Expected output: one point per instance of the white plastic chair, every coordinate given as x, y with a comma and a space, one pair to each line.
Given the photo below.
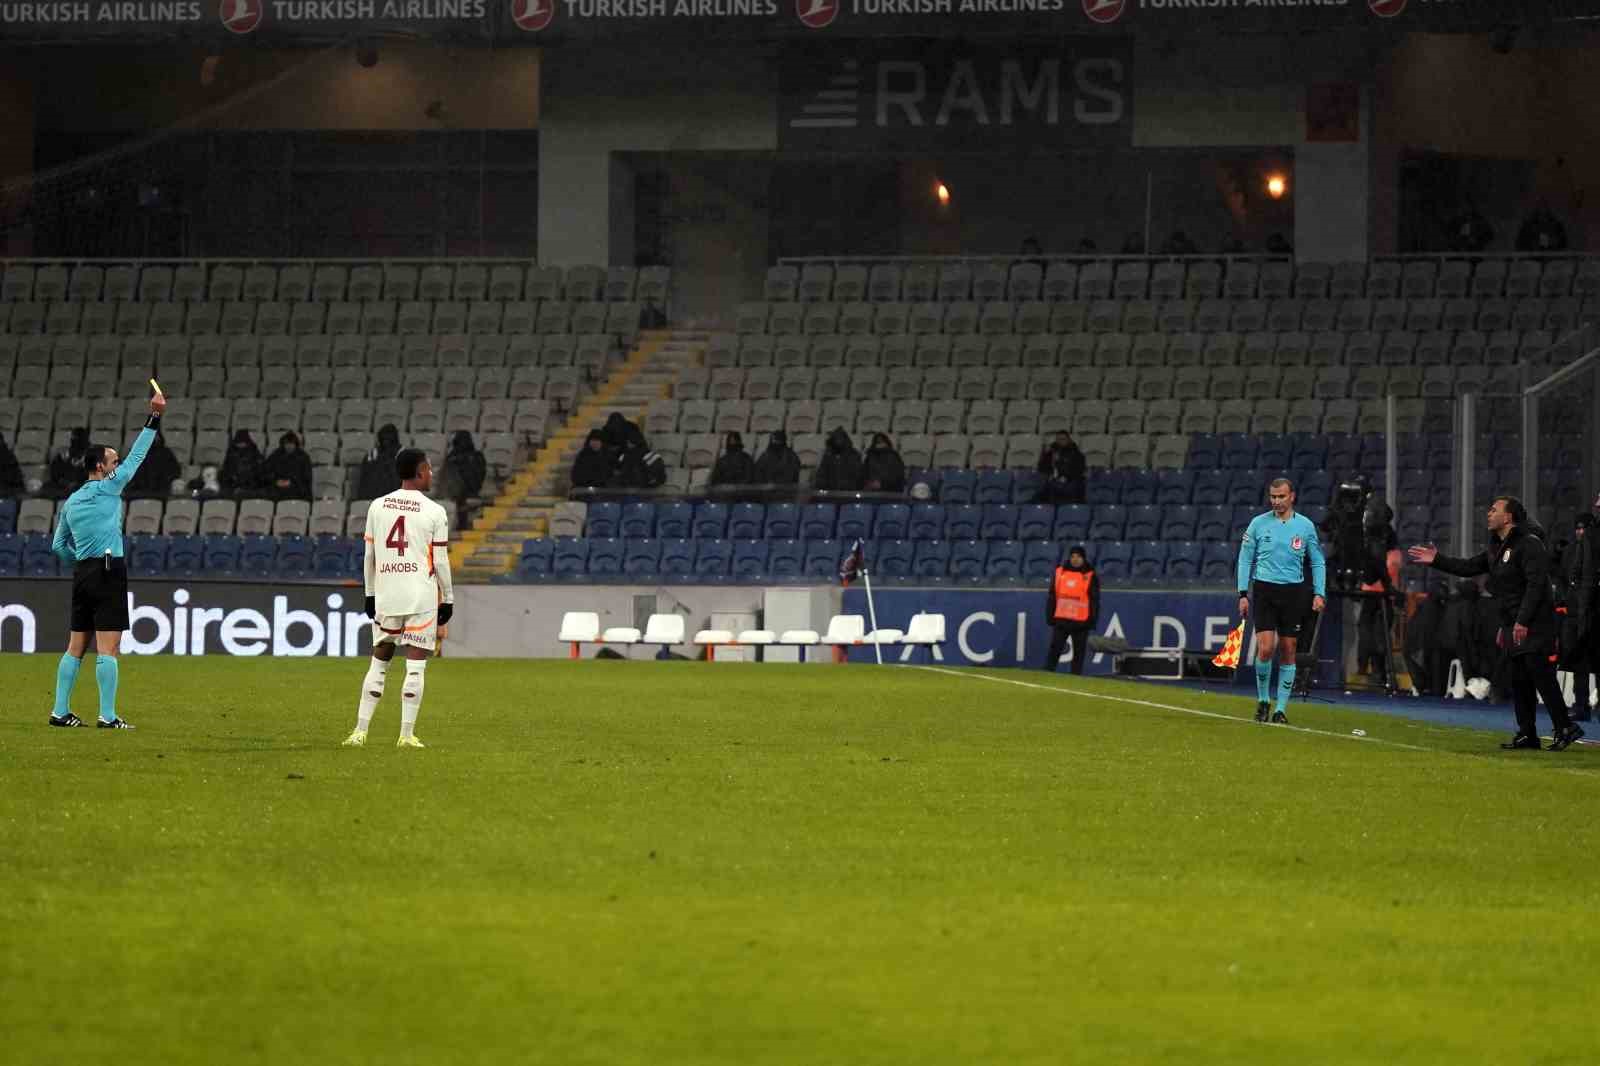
620, 635
925, 630
844, 629
579, 627
757, 636
884, 636
663, 629
800, 638
710, 638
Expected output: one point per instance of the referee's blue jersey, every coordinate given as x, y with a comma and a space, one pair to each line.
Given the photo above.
90, 524
1275, 550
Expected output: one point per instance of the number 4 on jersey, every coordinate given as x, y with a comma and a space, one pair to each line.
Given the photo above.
397, 536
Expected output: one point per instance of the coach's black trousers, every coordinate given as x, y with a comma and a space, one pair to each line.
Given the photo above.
1533, 676
1061, 632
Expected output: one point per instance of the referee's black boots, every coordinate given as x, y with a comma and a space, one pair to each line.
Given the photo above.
1521, 741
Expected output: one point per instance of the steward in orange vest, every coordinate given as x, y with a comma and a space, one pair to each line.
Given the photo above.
1073, 608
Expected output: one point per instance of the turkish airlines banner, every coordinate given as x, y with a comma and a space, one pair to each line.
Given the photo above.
549, 21
908, 96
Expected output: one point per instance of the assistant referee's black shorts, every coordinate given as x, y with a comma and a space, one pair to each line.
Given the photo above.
1281, 608
100, 596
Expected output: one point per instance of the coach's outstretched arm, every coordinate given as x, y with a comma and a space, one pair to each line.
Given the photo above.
123, 474
1428, 555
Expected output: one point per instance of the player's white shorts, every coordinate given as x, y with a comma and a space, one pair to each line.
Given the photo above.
407, 630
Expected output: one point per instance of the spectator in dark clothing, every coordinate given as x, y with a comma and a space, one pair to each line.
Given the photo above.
1278, 244
241, 467
156, 474
378, 476
286, 475
1072, 607
11, 481
840, 468
734, 467
619, 433
778, 465
1470, 232
882, 469
1179, 244
1088, 245
1064, 470
639, 468
1542, 232
465, 469
66, 466
1033, 253
592, 468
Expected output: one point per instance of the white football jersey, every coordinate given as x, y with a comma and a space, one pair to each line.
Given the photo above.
404, 530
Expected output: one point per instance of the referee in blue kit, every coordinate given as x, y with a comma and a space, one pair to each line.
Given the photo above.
1275, 550
89, 536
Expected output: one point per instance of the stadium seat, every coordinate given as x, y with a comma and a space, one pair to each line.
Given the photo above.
1005, 560
932, 559
1108, 522
822, 558
1179, 523
892, 558
786, 557
745, 521
957, 487
677, 557
750, 559
713, 558
963, 522
1072, 523
605, 556
569, 557
1143, 523
641, 557
999, 522
1139, 488
855, 520
926, 521
817, 521
1035, 522
603, 519
637, 520
1113, 560
992, 486
257, 555
968, 558
1217, 562
891, 522
147, 555
710, 521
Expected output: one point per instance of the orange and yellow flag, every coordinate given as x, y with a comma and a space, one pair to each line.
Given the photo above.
1229, 655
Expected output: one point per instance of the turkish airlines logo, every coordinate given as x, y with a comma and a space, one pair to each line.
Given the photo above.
532, 16
240, 16
815, 14
1103, 11
1386, 9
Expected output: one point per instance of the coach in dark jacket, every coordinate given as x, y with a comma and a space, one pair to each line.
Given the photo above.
1518, 565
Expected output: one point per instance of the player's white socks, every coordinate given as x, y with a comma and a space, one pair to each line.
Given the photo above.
371, 692
411, 695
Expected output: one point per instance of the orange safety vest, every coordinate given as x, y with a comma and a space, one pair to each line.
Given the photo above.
1072, 594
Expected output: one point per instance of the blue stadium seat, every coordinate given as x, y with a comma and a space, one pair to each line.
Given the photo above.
638, 521
147, 556
674, 520
605, 556
1108, 522
1205, 451
1212, 523
999, 522
293, 557
1374, 450
1273, 452
10, 555
855, 520
994, 486
710, 521
677, 557
1310, 451
570, 557
750, 559
785, 558
1238, 451
536, 558
958, 486
817, 521
1139, 488
746, 521
1113, 559
186, 555
1105, 487
1175, 487
927, 476
783, 521
967, 558
1005, 560
1039, 560
221, 553
603, 519
1344, 454
1179, 523
932, 558
641, 556
1183, 560
712, 558
1072, 524
1315, 489
892, 522
257, 555
1412, 523
8, 515
1248, 486
1034, 521
1149, 561
927, 521
892, 558
1144, 523
1025, 485
1217, 562
963, 522
1211, 487
37, 558
1243, 515
822, 558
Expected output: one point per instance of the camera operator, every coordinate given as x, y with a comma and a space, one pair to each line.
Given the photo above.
1380, 575
1343, 531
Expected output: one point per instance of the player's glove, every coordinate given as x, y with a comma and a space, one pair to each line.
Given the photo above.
371, 606
445, 611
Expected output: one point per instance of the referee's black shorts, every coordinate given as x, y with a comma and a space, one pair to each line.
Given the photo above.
100, 596
1281, 608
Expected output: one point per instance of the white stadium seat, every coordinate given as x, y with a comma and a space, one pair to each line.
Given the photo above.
663, 629
579, 627
845, 629
620, 635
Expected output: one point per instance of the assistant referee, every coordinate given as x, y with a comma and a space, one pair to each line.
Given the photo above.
89, 536
1276, 547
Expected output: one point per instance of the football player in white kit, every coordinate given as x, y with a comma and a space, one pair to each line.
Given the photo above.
408, 590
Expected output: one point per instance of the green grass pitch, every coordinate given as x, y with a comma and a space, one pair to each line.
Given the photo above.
614, 862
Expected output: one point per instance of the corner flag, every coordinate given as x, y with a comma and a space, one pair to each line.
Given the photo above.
1229, 655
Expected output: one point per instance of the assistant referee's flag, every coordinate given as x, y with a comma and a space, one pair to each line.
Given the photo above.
1229, 655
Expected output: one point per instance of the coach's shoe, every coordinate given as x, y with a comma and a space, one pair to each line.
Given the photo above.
1263, 711
67, 721
115, 723
356, 739
1565, 738
1279, 718
1522, 741
409, 742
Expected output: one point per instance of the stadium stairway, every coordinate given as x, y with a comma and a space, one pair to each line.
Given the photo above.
523, 508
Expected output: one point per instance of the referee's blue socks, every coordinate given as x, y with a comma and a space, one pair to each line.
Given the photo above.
105, 672
66, 677
1285, 684
1264, 680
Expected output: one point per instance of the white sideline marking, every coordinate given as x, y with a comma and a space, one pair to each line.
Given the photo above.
1180, 710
